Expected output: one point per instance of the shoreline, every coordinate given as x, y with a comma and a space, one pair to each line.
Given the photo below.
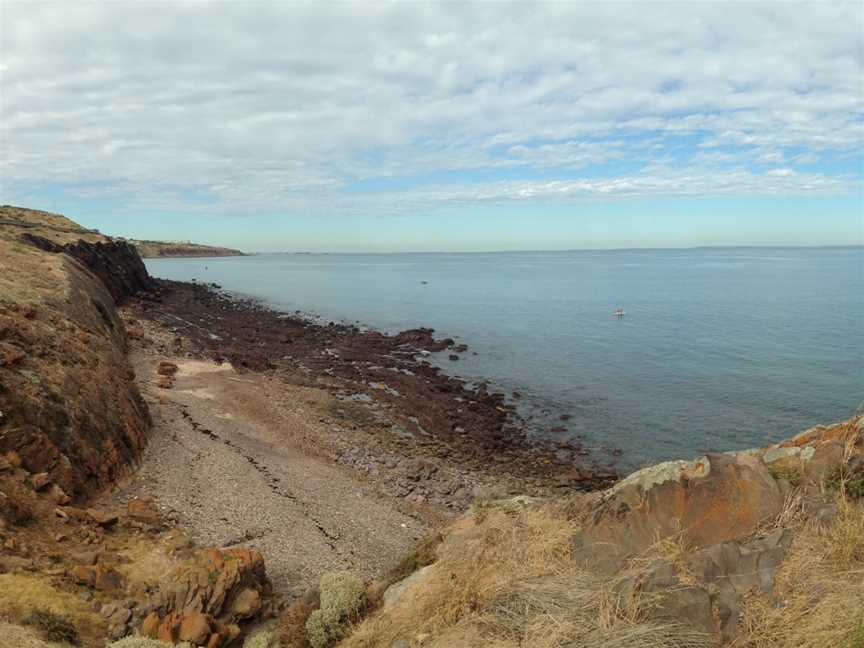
404, 404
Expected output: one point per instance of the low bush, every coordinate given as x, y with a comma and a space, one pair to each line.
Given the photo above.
262, 639
52, 627
143, 642
343, 597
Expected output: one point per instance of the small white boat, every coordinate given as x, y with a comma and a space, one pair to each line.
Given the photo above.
619, 312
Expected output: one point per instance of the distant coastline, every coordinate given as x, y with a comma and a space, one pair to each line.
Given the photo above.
177, 249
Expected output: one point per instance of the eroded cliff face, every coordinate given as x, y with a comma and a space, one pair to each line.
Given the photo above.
68, 403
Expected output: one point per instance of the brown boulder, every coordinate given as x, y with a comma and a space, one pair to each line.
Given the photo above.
58, 495
143, 509
166, 368
166, 382
40, 480
102, 518
707, 501
98, 577
135, 331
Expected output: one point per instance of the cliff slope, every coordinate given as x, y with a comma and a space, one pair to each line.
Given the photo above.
72, 424
69, 404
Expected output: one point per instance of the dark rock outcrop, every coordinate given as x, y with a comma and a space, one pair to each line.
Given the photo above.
116, 263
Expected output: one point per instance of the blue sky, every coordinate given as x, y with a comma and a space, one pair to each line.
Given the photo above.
405, 126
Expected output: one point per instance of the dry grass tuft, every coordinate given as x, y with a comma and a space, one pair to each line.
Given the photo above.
16, 636
506, 579
292, 625
675, 549
21, 596
819, 596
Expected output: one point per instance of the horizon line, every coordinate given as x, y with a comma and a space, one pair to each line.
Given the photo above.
623, 249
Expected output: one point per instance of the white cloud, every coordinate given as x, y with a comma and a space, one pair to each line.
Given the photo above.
281, 105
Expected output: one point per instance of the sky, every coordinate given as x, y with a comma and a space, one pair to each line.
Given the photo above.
371, 126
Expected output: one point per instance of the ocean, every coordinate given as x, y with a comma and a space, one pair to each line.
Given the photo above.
719, 349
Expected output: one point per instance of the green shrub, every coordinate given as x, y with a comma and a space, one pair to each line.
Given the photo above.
261, 639
793, 474
144, 642
852, 483
343, 597
858, 637
52, 627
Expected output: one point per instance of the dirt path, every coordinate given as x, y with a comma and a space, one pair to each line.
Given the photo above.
233, 466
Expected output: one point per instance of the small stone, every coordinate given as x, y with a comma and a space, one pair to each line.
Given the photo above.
102, 518
40, 480
99, 577
85, 557
58, 495
120, 617
166, 368
117, 632
144, 510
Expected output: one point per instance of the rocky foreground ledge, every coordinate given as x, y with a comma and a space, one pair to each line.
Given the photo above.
757, 548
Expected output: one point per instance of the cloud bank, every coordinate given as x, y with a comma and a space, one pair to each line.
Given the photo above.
334, 108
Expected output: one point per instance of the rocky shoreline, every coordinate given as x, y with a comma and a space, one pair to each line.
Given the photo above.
418, 421
160, 441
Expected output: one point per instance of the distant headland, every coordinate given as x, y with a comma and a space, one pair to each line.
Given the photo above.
155, 249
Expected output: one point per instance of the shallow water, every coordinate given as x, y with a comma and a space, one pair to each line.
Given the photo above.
719, 349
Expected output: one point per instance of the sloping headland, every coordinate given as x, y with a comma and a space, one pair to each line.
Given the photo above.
156, 249
177, 465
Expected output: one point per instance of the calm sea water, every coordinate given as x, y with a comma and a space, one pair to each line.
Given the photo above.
720, 348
